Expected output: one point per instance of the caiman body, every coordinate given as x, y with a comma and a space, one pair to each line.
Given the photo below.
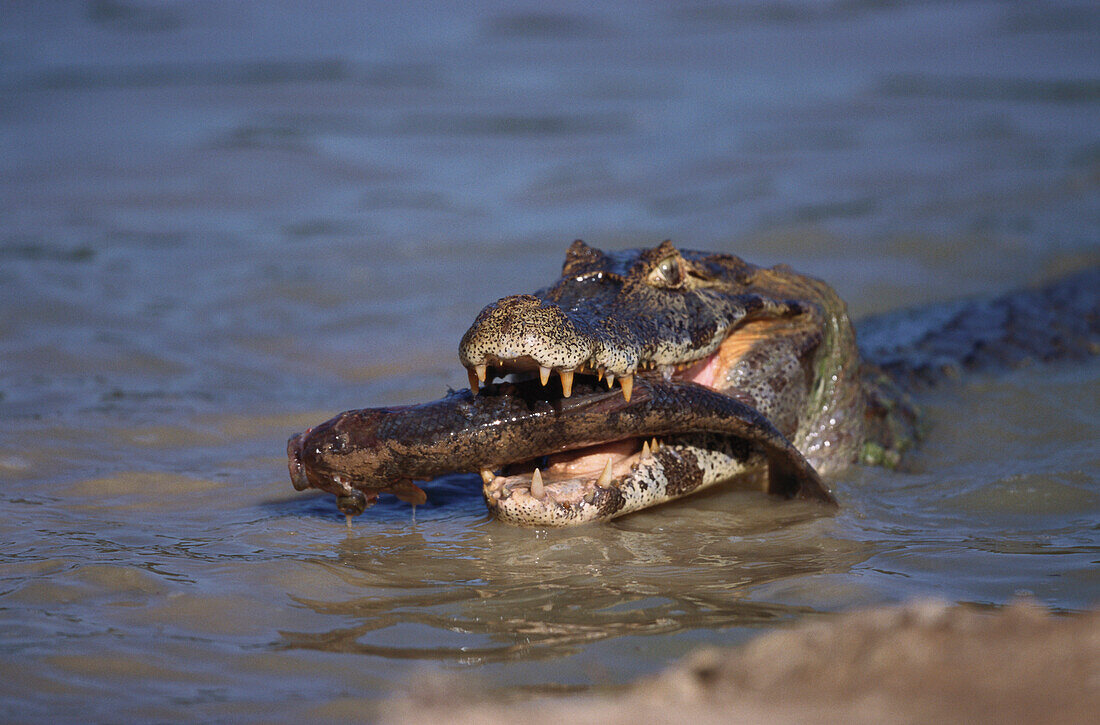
739, 370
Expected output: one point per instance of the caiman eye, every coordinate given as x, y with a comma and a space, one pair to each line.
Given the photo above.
668, 272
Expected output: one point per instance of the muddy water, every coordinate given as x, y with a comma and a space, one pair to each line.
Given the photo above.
221, 223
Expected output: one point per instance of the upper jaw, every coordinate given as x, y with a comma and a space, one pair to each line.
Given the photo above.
516, 335
612, 329
528, 332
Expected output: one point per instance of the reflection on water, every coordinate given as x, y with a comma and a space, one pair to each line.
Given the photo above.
507, 594
221, 223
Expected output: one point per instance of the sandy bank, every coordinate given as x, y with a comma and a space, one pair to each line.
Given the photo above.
926, 662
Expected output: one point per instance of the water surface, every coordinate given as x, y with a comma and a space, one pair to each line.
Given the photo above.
221, 223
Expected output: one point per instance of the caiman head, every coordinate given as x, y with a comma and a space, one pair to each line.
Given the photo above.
779, 341
734, 371
615, 314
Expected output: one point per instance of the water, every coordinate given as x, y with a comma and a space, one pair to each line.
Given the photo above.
222, 222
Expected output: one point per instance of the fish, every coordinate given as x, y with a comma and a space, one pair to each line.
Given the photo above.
512, 426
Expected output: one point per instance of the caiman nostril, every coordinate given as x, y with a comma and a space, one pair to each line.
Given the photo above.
294, 463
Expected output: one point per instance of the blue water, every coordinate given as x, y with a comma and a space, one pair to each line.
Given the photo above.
223, 222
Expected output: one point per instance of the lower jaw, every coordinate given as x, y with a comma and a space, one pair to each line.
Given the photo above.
644, 484
571, 477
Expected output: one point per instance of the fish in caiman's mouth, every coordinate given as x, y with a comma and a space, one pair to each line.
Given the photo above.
712, 320
639, 377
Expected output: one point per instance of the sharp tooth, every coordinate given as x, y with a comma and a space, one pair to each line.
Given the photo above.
473, 380
627, 383
605, 477
537, 489
645, 449
610, 380
656, 445
599, 373
480, 370
544, 374
566, 382
487, 476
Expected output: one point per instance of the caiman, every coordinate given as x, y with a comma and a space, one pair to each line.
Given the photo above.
714, 370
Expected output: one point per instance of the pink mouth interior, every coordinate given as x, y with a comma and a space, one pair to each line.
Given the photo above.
569, 475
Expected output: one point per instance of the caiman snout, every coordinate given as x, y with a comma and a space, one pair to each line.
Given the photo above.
294, 462
525, 328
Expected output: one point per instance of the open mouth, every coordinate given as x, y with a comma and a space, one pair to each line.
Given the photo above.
585, 475
548, 459
638, 377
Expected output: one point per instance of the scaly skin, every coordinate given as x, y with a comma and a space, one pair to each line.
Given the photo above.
778, 342
667, 322
361, 453
790, 350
